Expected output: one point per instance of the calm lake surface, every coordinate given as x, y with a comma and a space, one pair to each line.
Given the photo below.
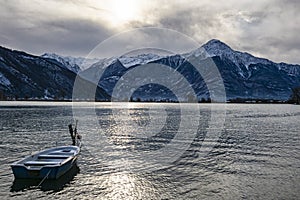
157, 151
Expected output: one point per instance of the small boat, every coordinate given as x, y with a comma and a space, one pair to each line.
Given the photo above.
51, 163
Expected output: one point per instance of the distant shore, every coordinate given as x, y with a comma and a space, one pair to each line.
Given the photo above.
233, 101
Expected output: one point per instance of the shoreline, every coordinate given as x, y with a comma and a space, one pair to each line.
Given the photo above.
171, 102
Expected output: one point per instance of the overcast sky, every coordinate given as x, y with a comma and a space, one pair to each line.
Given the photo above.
265, 28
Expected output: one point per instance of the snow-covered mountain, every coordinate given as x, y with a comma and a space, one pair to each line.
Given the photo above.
244, 76
217, 48
25, 76
74, 64
247, 76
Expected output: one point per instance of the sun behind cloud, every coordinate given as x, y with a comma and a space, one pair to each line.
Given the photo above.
122, 12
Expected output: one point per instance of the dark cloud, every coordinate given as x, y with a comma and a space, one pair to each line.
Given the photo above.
69, 37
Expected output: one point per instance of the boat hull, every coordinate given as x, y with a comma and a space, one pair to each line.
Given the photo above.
53, 172
48, 164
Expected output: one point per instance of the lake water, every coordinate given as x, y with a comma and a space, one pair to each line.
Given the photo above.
157, 151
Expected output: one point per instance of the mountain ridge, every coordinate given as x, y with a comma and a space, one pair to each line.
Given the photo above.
244, 75
25, 76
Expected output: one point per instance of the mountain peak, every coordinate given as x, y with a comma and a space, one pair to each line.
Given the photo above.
216, 47
212, 48
216, 42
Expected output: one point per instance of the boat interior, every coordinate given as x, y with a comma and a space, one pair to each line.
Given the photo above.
56, 157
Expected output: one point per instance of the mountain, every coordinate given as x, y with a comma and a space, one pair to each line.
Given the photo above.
249, 77
25, 76
244, 75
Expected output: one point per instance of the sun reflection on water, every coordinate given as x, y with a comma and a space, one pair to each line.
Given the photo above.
125, 185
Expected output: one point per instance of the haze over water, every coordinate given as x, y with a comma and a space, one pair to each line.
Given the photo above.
257, 155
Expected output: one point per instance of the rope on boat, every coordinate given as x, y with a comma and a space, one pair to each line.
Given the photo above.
44, 178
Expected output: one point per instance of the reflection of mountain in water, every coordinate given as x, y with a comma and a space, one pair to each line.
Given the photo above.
48, 184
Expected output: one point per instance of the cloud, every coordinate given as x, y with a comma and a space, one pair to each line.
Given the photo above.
264, 28
70, 37
275, 33
35, 31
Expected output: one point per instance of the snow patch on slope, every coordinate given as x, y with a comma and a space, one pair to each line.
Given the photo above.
28, 57
4, 81
141, 59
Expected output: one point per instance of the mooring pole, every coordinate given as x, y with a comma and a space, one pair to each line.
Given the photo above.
72, 134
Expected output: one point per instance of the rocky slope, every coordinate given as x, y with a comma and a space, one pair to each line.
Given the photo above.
25, 76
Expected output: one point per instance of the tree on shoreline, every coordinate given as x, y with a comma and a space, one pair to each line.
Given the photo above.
295, 98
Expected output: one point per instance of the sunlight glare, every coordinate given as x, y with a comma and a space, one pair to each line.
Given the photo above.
124, 11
